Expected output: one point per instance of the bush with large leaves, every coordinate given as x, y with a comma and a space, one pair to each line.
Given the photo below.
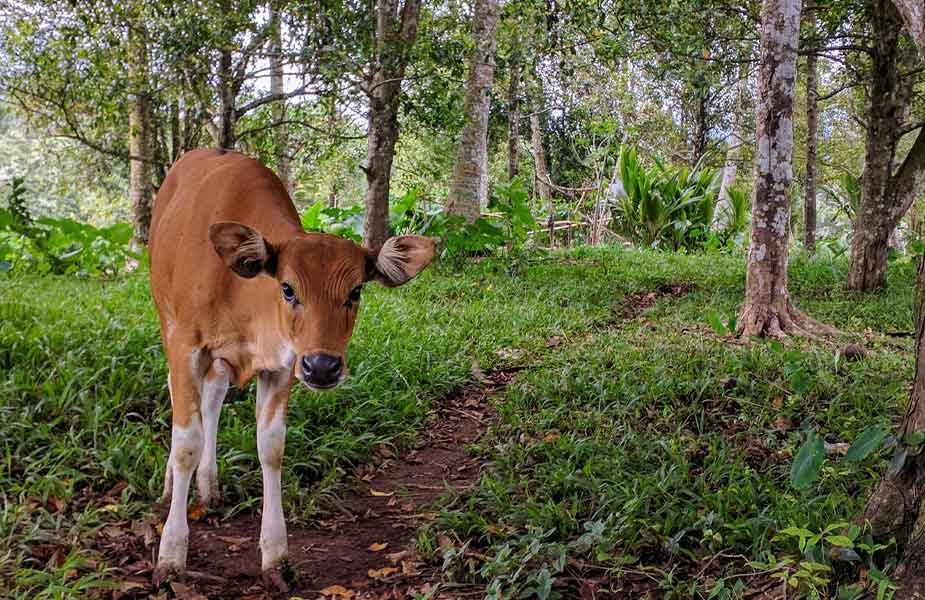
673, 207
60, 246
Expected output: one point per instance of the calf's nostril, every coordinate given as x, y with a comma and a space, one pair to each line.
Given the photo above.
322, 369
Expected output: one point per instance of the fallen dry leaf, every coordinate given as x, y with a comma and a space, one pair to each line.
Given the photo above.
235, 541
378, 547
381, 573
408, 568
554, 341
113, 531
185, 592
337, 591
196, 512
551, 436
783, 423
373, 492
128, 585
510, 353
397, 556
777, 402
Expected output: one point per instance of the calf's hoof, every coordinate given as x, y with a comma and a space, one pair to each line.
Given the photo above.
276, 579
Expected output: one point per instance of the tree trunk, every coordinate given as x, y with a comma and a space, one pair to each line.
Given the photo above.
885, 197
768, 309
176, 143
812, 126
896, 507
541, 171
513, 121
226, 140
700, 127
394, 38
470, 173
140, 189
281, 131
913, 14
736, 139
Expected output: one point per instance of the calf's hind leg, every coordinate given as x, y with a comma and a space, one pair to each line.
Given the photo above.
214, 388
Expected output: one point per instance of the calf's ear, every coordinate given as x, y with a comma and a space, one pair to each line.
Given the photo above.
400, 259
243, 249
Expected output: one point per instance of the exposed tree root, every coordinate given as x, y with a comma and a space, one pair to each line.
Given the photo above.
779, 321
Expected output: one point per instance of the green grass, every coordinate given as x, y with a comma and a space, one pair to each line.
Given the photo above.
648, 446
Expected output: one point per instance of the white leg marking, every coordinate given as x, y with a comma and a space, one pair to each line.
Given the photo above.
168, 472
271, 441
185, 451
213, 395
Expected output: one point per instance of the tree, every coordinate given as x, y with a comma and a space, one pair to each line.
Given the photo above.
281, 131
886, 193
768, 309
812, 126
513, 119
395, 33
541, 171
736, 137
141, 191
469, 174
896, 507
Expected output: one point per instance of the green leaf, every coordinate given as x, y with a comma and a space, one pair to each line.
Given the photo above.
716, 323
866, 442
800, 381
808, 462
311, 220
839, 540
543, 584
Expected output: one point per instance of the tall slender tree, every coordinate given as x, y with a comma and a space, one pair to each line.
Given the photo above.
277, 88
141, 191
812, 126
513, 119
395, 33
768, 309
541, 181
469, 174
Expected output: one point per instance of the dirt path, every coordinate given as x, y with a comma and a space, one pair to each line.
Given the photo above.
364, 551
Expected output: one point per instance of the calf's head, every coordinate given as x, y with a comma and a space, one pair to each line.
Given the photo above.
319, 278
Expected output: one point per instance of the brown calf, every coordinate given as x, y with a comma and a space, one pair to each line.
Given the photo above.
242, 291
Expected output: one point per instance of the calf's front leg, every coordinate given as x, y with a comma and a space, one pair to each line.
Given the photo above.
272, 402
186, 441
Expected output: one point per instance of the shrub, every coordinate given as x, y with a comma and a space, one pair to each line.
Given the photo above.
673, 207
60, 246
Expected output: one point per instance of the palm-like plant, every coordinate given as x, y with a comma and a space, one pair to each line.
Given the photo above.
666, 207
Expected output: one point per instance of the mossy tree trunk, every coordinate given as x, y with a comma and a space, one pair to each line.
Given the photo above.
470, 172
396, 31
768, 309
141, 191
896, 507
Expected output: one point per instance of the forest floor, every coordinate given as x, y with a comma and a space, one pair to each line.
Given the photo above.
576, 426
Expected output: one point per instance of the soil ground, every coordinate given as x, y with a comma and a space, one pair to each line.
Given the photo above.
364, 551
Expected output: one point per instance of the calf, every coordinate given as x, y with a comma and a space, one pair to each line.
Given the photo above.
242, 291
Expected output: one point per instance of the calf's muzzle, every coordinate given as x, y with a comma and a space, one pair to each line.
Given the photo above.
321, 370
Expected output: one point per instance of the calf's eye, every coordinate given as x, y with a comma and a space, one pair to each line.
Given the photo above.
288, 293
355, 294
